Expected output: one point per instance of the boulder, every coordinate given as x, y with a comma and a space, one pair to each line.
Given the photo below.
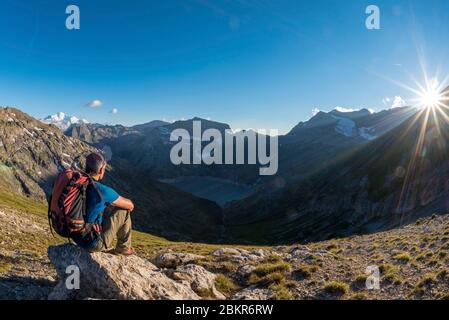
238, 255
107, 276
238, 259
245, 270
226, 251
172, 260
200, 280
300, 253
260, 252
254, 293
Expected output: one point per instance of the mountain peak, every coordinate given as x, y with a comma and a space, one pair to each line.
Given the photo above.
351, 123
205, 124
63, 121
150, 125
58, 116
351, 113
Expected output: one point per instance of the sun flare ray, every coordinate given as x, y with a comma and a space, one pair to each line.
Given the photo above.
431, 98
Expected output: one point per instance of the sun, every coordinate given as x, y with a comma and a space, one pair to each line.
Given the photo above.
430, 98
431, 95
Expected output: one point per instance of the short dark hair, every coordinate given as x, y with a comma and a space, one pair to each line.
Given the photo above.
94, 162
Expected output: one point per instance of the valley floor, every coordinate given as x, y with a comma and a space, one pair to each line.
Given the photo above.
413, 261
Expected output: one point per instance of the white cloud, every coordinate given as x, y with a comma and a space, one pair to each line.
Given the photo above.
114, 110
398, 102
386, 101
315, 111
94, 104
342, 109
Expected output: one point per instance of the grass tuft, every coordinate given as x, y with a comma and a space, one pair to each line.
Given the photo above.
225, 285
402, 257
267, 268
336, 288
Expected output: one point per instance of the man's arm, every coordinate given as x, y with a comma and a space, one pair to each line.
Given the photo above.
123, 203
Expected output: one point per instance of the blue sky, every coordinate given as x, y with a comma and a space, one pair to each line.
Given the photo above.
259, 64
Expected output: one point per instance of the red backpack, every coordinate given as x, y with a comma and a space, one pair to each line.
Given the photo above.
67, 203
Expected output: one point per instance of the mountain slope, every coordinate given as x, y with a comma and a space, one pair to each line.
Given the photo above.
379, 186
413, 261
32, 153
94, 133
317, 143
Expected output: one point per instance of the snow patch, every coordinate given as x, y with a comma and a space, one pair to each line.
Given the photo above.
348, 128
63, 121
367, 133
346, 110
345, 126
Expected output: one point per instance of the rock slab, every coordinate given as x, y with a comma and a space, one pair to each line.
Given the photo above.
107, 276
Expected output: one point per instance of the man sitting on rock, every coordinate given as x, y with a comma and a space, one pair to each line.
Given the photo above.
108, 213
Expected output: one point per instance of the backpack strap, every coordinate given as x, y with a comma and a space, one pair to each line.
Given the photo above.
83, 197
49, 210
91, 181
94, 185
49, 216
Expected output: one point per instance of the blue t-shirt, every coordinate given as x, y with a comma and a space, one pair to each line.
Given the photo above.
95, 205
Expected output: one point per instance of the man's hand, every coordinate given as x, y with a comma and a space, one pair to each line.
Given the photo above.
124, 203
